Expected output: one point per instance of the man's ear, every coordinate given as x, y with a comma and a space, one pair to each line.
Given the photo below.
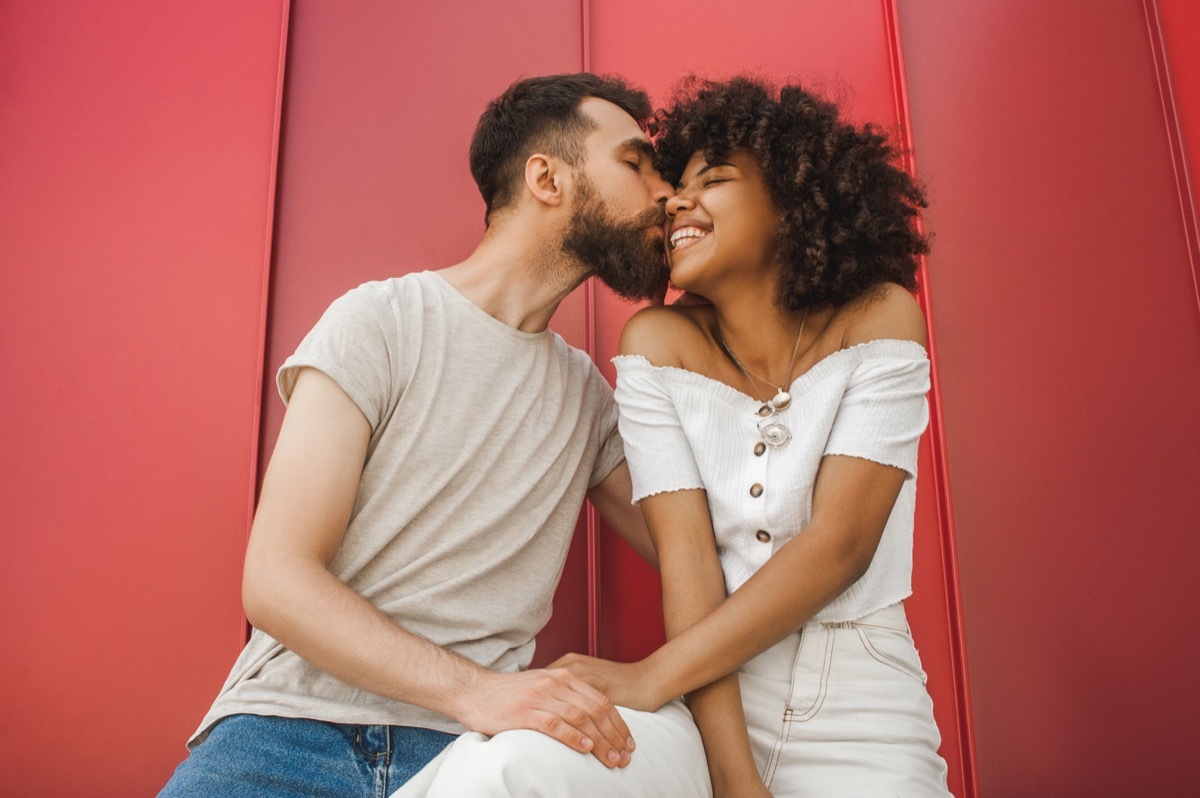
547, 178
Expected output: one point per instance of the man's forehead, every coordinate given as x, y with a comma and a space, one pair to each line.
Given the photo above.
613, 125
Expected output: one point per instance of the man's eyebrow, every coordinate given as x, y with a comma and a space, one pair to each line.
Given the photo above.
638, 145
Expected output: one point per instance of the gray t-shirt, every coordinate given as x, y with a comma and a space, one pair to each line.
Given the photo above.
484, 441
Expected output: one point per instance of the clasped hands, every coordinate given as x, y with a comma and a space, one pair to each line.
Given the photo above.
626, 684
574, 701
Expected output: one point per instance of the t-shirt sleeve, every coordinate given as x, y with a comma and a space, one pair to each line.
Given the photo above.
659, 453
883, 411
612, 448
354, 344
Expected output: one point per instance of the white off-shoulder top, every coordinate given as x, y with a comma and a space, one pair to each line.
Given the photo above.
683, 430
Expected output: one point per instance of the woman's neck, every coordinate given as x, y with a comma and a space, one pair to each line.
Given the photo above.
762, 335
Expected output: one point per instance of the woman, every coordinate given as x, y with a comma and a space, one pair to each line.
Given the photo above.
772, 436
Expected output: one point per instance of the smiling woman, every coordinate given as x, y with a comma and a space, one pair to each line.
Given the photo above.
772, 440
725, 205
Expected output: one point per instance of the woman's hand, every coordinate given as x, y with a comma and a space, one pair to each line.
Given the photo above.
625, 684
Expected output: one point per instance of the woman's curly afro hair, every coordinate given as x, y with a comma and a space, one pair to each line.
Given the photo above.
848, 211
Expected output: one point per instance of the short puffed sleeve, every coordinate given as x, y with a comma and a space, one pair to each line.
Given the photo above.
659, 453
883, 411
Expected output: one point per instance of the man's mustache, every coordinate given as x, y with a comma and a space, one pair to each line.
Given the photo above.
652, 217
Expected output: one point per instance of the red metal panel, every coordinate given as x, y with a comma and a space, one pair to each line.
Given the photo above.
382, 99
850, 52
135, 216
1174, 29
1069, 340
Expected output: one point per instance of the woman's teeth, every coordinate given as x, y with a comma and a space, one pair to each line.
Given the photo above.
685, 236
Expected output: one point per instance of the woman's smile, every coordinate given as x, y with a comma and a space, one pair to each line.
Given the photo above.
686, 236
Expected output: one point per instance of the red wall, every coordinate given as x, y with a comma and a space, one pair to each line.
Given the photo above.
135, 213
135, 210
1174, 29
1069, 336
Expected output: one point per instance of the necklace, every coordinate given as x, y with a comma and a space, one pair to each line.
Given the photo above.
773, 433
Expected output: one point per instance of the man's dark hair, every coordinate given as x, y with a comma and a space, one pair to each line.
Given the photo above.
541, 115
849, 213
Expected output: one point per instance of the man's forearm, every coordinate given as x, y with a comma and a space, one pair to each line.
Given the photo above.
309, 610
325, 622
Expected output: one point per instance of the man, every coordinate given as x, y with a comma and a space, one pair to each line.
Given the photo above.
428, 475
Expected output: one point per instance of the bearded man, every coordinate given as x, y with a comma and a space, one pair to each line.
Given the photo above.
438, 443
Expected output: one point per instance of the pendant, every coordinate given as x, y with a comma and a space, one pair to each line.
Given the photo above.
781, 400
775, 434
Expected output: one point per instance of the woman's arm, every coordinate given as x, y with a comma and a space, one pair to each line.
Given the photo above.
693, 586
852, 500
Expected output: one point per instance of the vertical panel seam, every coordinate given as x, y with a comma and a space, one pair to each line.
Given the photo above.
1166, 93
944, 506
270, 224
589, 341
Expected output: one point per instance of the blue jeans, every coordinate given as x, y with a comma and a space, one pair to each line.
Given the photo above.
253, 756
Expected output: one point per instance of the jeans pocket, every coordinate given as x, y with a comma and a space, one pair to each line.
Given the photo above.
892, 647
810, 674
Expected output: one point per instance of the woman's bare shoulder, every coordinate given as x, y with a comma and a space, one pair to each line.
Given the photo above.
886, 311
666, 334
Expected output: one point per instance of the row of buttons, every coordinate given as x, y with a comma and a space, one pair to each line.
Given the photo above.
756, 489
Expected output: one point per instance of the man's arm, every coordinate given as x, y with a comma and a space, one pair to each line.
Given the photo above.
613, 499
290, 594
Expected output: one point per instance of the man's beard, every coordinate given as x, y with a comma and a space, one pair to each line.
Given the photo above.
620, 253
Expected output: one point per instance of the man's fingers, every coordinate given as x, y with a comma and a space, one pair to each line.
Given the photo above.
570, 724
605, 717
564, 707
553, 725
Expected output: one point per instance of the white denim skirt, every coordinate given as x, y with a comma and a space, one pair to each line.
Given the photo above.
841, 710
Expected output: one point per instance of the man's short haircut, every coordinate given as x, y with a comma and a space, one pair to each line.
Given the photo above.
541, 115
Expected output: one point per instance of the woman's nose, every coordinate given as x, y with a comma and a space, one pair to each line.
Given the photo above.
677, 203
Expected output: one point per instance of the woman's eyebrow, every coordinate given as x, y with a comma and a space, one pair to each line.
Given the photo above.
707, 167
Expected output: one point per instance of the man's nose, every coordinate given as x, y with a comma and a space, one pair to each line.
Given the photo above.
660, 189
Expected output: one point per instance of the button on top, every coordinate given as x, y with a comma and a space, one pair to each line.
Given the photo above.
759, 448
763, 535
764, 411
756, 490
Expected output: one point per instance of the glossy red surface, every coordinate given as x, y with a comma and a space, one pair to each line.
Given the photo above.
136, 207
1174, 29
135, 215
1069, 334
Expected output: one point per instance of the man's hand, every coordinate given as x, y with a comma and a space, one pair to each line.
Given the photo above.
627, 684
553, 702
